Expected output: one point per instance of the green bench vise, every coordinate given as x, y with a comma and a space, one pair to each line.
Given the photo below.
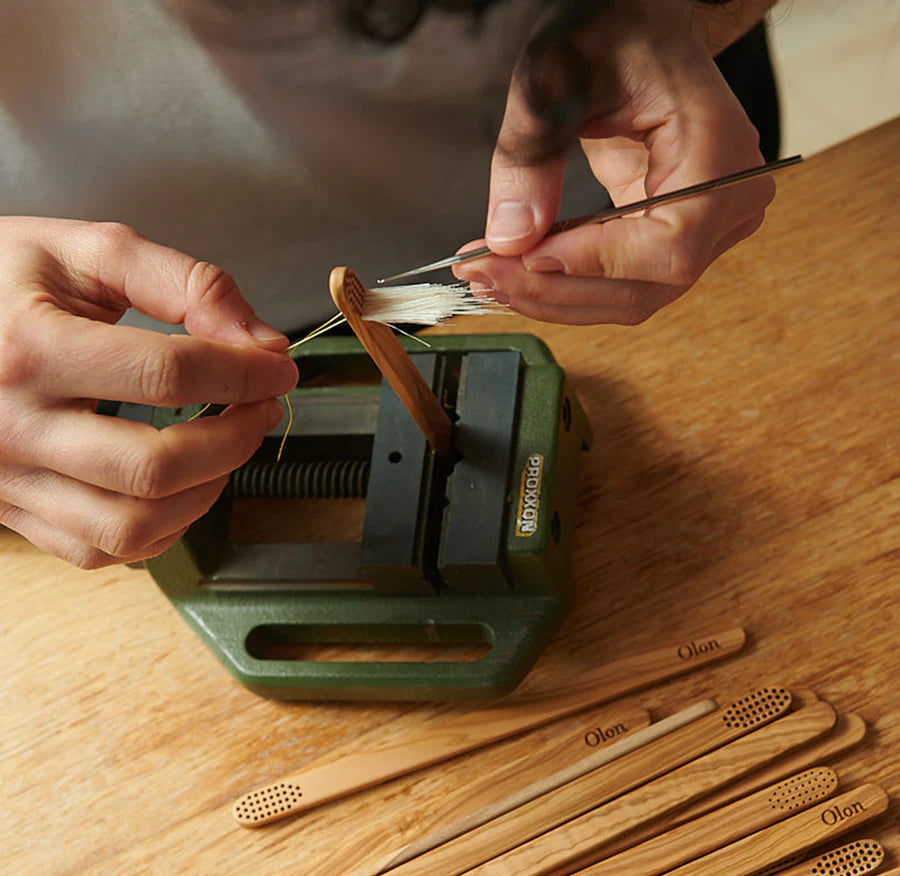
478, 553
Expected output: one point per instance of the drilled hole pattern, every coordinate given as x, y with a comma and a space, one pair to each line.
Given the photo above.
267, 802
354, 290
758, 706
862, 856
853, 859
799, 791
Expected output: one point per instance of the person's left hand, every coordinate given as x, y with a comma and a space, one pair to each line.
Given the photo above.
668, 120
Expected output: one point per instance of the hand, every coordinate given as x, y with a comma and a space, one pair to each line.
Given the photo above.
658, 117
96, 490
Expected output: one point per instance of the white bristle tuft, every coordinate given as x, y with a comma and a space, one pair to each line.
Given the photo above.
423, 303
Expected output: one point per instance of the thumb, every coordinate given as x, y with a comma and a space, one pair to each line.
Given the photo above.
525, 191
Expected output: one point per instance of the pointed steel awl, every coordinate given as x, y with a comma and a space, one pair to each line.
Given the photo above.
610, 213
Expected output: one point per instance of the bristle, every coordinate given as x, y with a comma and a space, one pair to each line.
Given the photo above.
423, 303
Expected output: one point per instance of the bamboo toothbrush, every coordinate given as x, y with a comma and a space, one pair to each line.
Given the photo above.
452, 734
476, 780
853, 859
720, 827
797, 834
848, 732
557, 807
609, 753
394, 362
580, 841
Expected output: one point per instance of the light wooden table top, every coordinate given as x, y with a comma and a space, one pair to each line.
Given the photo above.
744, 471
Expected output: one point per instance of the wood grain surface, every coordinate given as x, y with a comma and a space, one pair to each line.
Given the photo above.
541, 818
377, 760
848, 733
795, 835
744, 472
853, 859
720, 827
580, 841
348, 294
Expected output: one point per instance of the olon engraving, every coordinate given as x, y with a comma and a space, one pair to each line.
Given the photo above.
695, 649
836, 814
599, 735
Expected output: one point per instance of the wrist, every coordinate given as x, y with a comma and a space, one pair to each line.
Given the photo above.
722, 23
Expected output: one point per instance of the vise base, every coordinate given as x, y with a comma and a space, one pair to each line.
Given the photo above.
370, 544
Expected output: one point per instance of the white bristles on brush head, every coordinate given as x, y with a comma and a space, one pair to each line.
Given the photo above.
423, 303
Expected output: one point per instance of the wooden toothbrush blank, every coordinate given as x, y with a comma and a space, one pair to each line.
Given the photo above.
720, 827
557, 807
476, 813
580, 841
848, 732
394, 363
863, 856
797, 834
451, 734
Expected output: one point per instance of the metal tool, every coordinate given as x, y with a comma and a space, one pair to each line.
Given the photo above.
610, 213
473, 554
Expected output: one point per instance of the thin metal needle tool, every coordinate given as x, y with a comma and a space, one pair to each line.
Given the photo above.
611, 213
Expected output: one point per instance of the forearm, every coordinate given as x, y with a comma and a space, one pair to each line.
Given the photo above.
721, 24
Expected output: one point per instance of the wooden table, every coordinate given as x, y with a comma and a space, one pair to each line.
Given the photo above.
744, 471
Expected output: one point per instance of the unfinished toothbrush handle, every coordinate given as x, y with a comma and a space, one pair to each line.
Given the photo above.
403, 376
529, 788
394, 363
863, 856
351, 773
456, 734
468, 852
579, 841
344, 776
848, 732
797, 834
720, 827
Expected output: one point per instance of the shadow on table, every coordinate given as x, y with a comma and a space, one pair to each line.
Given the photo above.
655, 511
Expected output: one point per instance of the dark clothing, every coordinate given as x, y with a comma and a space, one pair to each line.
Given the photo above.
747, 67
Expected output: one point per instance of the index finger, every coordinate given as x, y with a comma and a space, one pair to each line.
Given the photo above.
75, 357
108, 260
671, 243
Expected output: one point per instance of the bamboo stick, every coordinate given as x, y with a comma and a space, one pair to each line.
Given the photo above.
797, 834
863, 856
847, 733
720, 827
529, 791
571, 800
466, 731
580, 841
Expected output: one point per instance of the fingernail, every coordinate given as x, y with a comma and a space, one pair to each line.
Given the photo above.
546, 265
510, 220
261, 331
479, 282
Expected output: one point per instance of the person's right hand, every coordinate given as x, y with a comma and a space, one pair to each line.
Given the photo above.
97, 490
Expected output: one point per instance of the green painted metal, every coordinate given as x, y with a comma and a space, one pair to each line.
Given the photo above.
516, 624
